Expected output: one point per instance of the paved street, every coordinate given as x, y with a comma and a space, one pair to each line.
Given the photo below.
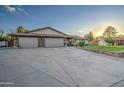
59, 67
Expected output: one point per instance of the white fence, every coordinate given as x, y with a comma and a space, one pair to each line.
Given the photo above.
2, 43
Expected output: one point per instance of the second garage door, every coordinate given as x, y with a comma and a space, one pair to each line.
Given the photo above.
54, 42
28, 42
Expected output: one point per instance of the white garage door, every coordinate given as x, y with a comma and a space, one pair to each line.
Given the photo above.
28, 42
54, 42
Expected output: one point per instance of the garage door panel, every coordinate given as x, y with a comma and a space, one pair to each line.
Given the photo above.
28, 42
54, 42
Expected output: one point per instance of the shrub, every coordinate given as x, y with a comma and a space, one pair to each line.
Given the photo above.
110, 40
81, 43
76, 44
70, 44
86, 44
65, 43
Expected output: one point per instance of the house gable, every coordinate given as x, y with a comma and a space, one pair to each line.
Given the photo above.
47, 30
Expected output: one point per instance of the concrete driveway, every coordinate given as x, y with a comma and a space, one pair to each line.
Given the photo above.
59, 67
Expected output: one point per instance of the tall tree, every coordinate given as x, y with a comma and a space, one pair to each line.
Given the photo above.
110, 32
89, 36
109, 35
21, 29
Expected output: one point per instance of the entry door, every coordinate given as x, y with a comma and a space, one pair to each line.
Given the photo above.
40, 42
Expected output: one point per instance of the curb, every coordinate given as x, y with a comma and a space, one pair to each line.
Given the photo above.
115, 54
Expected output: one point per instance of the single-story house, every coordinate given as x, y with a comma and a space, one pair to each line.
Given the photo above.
95, 42
75, 38
120, 41
102, 42
43, 37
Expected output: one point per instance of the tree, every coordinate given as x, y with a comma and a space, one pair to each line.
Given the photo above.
89, 36
110, 41
6, 38
1, 38
21, 29
110, 32
109, 35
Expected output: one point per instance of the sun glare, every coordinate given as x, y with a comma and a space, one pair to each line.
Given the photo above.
98, 31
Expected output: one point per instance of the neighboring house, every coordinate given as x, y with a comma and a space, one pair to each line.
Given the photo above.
75, 38
102, 42
95, 42
120, 41
43, 37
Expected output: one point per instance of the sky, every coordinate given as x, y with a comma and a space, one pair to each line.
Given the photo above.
74, 19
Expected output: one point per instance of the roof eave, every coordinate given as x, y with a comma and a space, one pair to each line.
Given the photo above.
38, 36
45, 28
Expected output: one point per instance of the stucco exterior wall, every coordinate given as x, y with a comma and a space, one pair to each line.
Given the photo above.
102, 42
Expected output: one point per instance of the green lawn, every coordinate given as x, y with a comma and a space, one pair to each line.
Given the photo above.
106, 48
